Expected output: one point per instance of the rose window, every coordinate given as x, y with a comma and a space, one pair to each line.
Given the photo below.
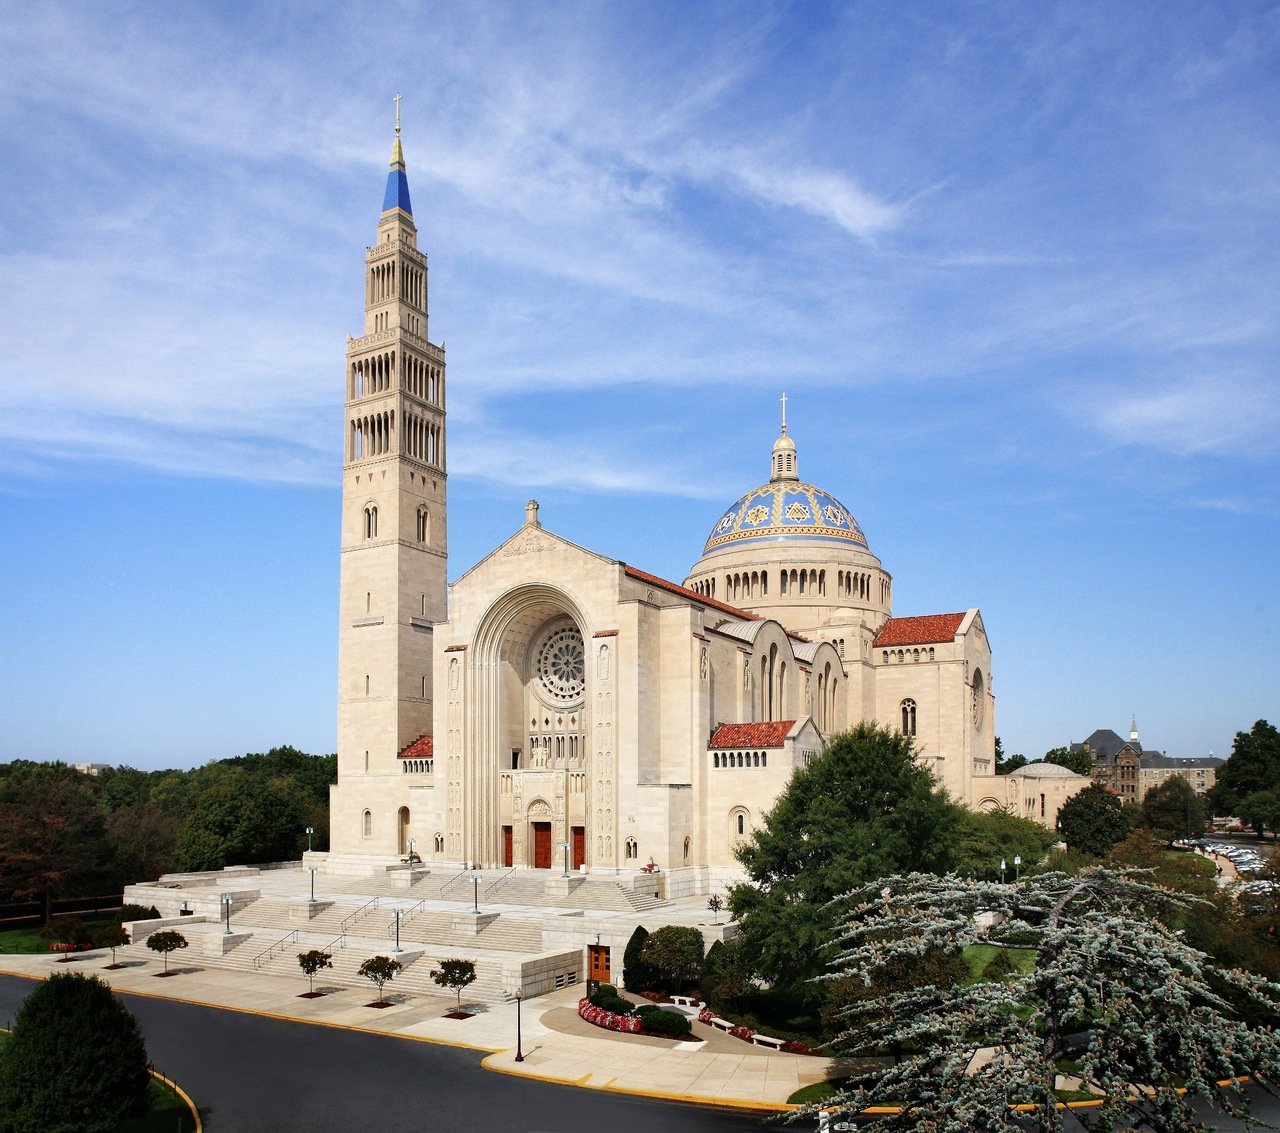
561, 665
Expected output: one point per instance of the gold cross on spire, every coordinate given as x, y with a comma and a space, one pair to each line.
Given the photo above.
784, 414
397, 101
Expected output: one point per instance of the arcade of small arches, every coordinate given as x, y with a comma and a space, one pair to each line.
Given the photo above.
901, 656
374, 374
423, 439
373, 435
387, 281
745, 585
740, 759
417, 766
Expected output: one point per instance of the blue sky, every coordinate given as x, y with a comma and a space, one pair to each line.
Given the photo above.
1014, 265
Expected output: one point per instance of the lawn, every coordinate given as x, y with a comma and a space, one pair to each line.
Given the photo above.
169, 1113
980, 955
28, 941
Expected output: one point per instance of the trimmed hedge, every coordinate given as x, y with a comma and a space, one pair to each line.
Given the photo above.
669, 1023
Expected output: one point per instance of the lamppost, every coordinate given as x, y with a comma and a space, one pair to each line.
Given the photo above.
565, 847
1017, 867
1002, 869
412, 842
310, 830
226, 904
397, 916
476, 878
519, 998
312, 871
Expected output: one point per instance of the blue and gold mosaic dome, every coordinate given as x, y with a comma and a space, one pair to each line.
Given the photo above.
786, 509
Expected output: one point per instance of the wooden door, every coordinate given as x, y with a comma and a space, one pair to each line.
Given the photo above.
542, 845
579, 846
508, 852
598, 963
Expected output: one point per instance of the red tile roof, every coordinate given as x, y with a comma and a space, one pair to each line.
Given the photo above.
685, 592
421, 748
769, 733
926, 630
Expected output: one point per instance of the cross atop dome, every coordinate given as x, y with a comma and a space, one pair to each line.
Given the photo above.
785, 462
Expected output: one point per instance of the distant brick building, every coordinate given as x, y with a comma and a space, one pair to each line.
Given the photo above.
1124, 767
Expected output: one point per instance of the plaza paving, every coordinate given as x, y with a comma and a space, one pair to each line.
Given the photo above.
557, 1045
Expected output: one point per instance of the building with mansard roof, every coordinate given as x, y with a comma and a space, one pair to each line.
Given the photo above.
556, 709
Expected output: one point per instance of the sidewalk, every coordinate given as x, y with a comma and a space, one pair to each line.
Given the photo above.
557, 1045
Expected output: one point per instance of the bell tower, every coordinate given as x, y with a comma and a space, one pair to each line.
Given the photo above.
394, 551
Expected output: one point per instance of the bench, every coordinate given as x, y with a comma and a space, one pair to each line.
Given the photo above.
722, 1024
768, 1040
687, 1001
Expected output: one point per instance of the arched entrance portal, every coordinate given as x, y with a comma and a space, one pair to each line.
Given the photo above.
402, 827
532, 693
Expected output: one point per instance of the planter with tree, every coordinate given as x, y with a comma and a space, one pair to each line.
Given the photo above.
311, 963
379, 970
164, 941
456, 975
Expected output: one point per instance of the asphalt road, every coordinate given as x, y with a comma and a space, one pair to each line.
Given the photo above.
254, 1075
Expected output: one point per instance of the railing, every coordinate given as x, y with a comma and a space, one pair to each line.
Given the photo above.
279, 946
501, 880
336, 944
361, 912
404, 916
466, 873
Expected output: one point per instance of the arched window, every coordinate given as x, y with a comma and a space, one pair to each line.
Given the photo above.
755, 759
632, 848
764, 759
687, 843
439, 843
370, 521
742, 823
715, 759
423, 524
368, 824
908, 717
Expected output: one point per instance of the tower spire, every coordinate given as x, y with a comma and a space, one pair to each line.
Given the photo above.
395, 201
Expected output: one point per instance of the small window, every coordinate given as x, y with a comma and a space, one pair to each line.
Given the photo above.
764, 759
908, 717
368, 824
632, 848
742, 824
715, 759
423, 524
439, 842
371, 522
687, 843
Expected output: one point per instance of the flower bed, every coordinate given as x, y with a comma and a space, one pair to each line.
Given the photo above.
656, 996
598, 1016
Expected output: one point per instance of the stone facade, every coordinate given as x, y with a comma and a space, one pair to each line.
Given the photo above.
574, 713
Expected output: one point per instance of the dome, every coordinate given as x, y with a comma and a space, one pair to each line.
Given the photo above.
786, 510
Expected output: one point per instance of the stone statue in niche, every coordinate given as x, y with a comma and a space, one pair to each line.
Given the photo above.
602, 665
704, 663
453, 674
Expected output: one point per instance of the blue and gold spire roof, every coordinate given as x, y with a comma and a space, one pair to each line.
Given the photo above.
396, 199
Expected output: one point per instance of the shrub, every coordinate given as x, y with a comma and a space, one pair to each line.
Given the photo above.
659, 1022
999, 966
676, 952
130, 912
76, 1061
636, 974
612, 1003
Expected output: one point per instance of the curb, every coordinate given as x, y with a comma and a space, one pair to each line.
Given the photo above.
186, 1097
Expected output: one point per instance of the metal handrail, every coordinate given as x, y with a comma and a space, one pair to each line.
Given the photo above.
489, 892
404, 916
336, 942
363, 911
262, 957
454, 881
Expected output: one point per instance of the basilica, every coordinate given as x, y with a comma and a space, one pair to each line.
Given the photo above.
555, 709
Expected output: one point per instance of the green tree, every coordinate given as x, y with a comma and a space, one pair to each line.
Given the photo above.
312, 962
1173, 810
863, 808
111, 936
1092, 821
636, 974
1261, 809
1157, 1012
455, 975
51, 833
75, 1062
1081, 762
242, 818
1254, 765
988, 836
165, 941
379, 970
725, 983
68, 932
675, 952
